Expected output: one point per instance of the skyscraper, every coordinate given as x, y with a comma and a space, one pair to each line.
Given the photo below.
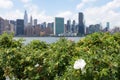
1, 25
14, 24
35, 22
107, 27
25, 18
20, 27
31, 21
108, 24
68, 26
59, 26
81, 26
74, 26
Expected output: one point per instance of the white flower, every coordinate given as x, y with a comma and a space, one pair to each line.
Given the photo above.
7, 78
13, 78
37, 65
79, 64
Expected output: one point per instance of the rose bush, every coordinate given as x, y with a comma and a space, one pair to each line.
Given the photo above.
95, 57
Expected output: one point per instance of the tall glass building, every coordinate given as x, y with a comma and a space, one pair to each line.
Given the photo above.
25, 18
81, 26
58, 26
68, 25
19, 27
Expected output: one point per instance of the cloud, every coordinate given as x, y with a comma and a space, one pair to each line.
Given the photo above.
36, 13
103, 14
82, 4
66, 15
25, 1
16, 14
45, 18
41, 16
6, 4
32, 11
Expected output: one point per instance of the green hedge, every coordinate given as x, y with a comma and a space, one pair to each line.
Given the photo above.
41, 61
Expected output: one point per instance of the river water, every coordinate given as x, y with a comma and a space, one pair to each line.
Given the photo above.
47, 39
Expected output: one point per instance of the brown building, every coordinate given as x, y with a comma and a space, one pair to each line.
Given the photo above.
29, 30
5, 26
37, 30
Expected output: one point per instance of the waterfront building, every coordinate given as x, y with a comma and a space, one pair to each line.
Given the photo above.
58, 26
35, 22
44, 25
29, 30
48, 31
19, 27
81, 26
68, 26
14, 24
94, 28
115, 29
87, 30
74, 28
25, 18
107, 26
31, 21
65, 28
37, 30
7, 26
50, 27
1, 25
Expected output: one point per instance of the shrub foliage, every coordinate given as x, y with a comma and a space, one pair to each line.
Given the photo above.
41, 61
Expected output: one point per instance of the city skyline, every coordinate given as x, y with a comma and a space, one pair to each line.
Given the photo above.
95, 11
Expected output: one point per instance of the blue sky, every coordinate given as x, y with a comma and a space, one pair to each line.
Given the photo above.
95, 11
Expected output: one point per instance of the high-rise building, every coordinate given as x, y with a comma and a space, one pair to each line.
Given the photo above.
51, 27
43, 25
29, 30
68, 26
94, 28
25, 18
14, 24
58, 26
19, 27
74, 29
107, 26
35, 22
81, 26
6, 26
31, 20
37, 30
1, 25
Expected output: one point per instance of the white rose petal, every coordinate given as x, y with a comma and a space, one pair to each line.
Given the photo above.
7, 78
79, 64
37, 65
